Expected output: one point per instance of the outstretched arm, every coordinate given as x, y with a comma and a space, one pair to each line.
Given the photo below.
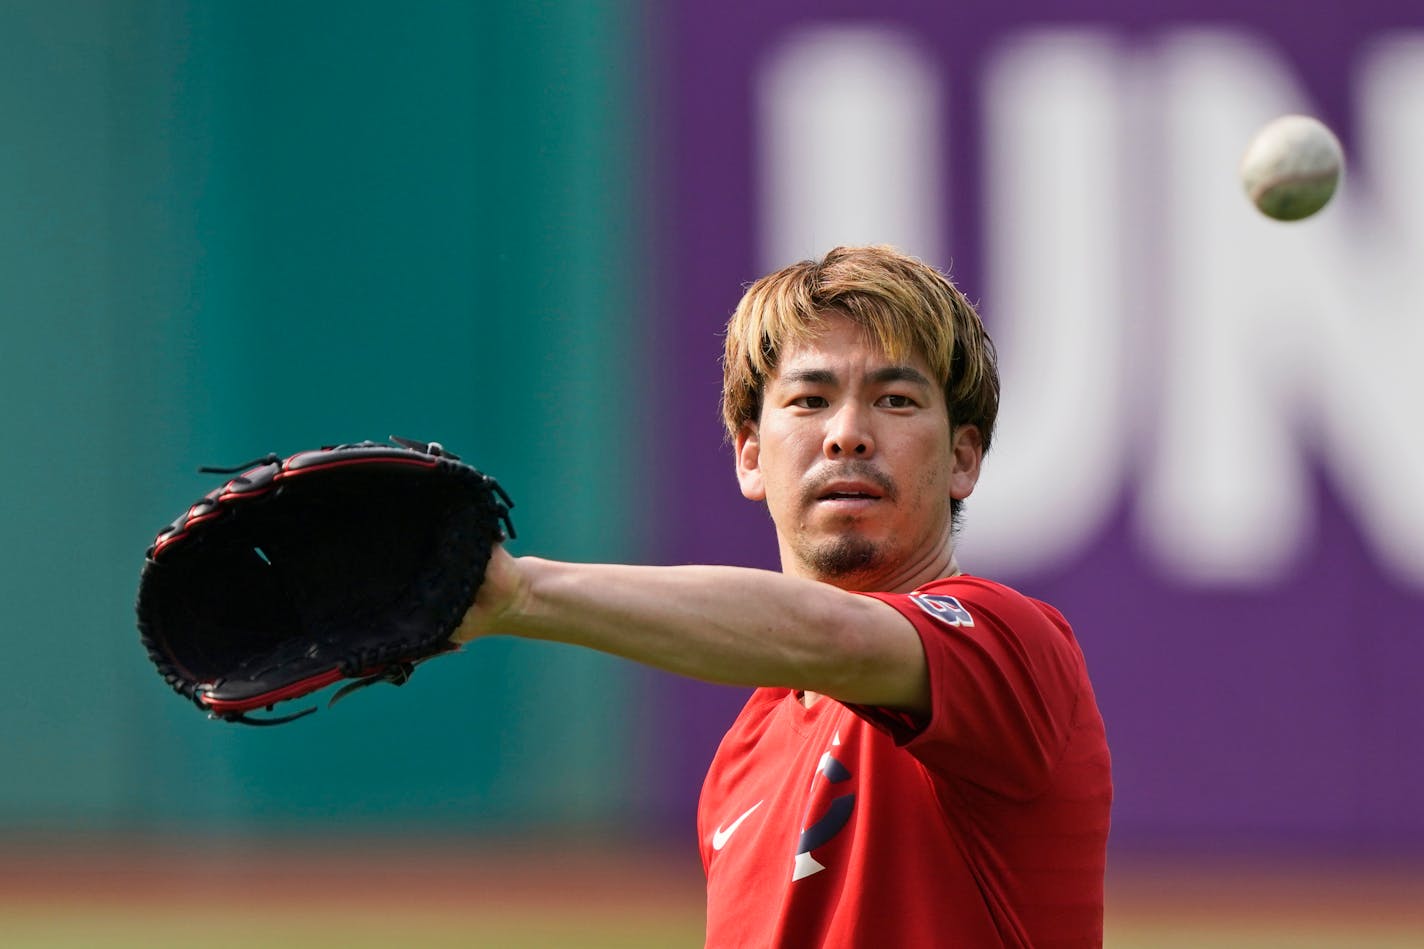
729, 625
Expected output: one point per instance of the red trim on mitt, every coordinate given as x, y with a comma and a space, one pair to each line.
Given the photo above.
297, 689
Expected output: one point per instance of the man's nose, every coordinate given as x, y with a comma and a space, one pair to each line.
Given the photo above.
849, 433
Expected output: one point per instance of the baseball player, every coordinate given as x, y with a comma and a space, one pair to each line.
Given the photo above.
923, 762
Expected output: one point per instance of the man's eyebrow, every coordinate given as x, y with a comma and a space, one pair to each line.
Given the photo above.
879, 376
823, 377
900, 374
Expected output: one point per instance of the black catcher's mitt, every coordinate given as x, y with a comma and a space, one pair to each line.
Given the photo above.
348, 562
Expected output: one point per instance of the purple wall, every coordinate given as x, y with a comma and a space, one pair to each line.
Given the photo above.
1281, 713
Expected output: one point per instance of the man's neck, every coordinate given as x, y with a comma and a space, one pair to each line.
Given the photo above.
876, 582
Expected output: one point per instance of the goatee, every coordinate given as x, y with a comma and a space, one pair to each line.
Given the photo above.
842, 557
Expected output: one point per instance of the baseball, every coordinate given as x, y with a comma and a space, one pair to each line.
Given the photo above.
1291, 168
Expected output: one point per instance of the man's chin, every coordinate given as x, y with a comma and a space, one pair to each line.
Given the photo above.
843, 558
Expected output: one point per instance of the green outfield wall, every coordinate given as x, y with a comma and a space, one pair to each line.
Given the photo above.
233, 228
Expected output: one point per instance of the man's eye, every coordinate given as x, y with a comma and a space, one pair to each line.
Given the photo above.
898, 401
810, 402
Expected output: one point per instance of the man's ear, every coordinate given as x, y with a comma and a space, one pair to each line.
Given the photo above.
966, 449
749, 462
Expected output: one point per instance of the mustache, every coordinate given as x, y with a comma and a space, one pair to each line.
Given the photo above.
853, 470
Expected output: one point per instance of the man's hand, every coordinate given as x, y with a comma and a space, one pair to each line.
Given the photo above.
502, 588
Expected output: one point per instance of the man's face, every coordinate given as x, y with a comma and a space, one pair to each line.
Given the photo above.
854, 456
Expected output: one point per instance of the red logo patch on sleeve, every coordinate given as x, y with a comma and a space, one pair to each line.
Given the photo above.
946, 609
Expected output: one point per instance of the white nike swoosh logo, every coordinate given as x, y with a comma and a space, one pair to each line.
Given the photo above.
720, 836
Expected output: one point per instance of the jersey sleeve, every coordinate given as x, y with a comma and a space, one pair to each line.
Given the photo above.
1005, 676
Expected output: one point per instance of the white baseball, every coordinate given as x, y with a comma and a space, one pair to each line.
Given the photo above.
1292, 167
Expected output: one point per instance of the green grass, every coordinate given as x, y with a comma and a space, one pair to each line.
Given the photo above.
156, 895
87, 926
72, 925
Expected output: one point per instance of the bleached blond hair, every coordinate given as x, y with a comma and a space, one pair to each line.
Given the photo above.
906, 306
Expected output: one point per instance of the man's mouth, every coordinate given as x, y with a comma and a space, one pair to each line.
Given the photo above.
849, 492
859, 485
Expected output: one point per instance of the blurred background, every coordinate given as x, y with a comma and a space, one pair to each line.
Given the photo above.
234, 228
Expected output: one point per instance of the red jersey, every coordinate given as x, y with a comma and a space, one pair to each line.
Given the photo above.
985, 825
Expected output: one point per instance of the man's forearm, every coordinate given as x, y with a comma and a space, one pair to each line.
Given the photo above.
729, 625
